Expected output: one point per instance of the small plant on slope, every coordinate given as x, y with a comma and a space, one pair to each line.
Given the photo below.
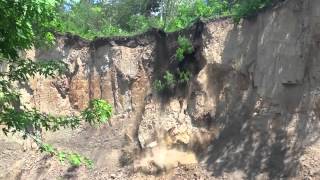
185, 47
169, 79
72, 158
184, 76
168, 82
159, 85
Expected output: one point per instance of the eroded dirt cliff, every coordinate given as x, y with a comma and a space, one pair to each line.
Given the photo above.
250, 111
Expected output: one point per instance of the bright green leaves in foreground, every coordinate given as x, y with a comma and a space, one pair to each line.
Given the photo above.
15, 117
99, 111
24, 24
74, 159
23, 69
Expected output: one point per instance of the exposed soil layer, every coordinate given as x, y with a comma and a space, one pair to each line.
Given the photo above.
251, 109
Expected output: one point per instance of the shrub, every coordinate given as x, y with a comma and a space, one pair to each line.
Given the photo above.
201, 9
185, 17
185, 47
155, 22
184, 76
180, 54
99, 111
185, 44
187, 13
248, 8
158, 85
110, 30
169, 79
220, 7
138, 23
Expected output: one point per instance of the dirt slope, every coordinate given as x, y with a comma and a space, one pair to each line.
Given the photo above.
250, 110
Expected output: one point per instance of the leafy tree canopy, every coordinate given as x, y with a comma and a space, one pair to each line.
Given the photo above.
24, 23
126, 17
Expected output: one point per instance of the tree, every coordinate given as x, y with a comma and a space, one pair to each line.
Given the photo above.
24, 24
84, 18
119, 12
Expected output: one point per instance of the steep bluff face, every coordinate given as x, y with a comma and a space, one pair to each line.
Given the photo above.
250, 111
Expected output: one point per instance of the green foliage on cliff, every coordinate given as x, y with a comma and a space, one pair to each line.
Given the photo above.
24, 24
128, 17
172, 79
169, 81
184, 76
185, 47
179, 76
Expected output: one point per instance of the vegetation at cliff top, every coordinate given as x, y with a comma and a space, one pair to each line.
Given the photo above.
94, 18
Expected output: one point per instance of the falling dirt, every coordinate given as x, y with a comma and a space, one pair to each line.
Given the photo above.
161, 159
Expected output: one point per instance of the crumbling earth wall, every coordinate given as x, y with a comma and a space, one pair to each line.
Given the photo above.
250, 110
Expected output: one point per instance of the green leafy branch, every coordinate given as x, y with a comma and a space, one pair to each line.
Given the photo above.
23, 69
74, 159
25, 24
99, 111
17, 118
